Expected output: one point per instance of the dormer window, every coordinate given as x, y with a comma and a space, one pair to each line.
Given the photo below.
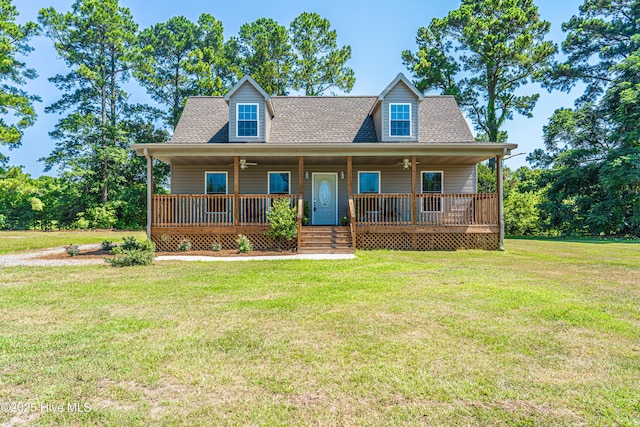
399, 119
247, 120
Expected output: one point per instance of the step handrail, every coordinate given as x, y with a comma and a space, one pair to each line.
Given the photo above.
300, 215
352, 222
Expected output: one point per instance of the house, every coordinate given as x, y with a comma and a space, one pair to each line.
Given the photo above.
400, 168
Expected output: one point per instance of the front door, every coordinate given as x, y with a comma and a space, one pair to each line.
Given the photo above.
325, 199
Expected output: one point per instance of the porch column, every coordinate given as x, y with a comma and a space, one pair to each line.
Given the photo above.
349, 177
301, 176
500, 191
149, 192
236, 190
414, 195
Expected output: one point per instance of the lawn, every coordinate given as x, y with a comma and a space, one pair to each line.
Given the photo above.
16, 241
546, 333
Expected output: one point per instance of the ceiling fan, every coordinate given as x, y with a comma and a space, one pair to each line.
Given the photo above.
244, 164
405, 163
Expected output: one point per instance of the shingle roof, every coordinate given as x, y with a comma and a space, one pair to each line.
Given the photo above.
301, 119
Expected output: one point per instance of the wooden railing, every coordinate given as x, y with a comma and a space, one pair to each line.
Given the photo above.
300, 216
352, 222
431, 209
213, 210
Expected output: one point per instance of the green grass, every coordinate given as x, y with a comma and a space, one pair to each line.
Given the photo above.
547, 333
18, 241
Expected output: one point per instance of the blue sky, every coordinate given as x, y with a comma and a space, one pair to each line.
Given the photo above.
376, 52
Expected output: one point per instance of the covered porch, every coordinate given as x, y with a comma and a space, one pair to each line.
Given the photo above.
399, 215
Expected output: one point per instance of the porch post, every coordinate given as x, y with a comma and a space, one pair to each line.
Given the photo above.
149, 191
301, 176
236, 190
500, 191
414, 195
349, 177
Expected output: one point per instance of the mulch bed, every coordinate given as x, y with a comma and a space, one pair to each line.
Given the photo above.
100, 254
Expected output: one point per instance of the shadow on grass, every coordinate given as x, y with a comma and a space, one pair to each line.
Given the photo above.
578, 239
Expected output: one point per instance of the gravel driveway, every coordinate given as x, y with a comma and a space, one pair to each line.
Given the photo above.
31, 258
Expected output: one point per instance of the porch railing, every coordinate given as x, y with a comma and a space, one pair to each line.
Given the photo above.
213, 210
431, 209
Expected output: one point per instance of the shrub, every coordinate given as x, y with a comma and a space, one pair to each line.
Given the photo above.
184, 245
283, 221
72, 250
216, 247
101, 217
244, 245
107, 245
130, 243
125, 258
132, 252
81, 223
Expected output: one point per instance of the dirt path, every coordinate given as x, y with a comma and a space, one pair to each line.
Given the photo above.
39, 258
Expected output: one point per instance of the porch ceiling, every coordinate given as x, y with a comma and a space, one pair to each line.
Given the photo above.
323, 154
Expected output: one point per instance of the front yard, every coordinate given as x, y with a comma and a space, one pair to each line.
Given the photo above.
547, 333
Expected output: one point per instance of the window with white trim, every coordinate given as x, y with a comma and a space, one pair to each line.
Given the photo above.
247, 120
279, 182
368, 182
432, 184
215, 183
399, 119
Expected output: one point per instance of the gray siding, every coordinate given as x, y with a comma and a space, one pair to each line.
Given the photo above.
400, 94
190, 179
247, 94
377, 120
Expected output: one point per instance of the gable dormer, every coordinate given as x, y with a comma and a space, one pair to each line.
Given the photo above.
395, 112
250, 112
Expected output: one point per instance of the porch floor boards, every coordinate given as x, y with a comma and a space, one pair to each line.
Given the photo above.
325, 240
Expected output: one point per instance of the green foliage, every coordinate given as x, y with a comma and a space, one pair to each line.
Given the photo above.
107, 245
482, 53
244, 245
216, 247
521, 214
14, 40
283, 221
319, 64
486, 179
72, 250
126, 258
266, 55
132, 252
592, 152
81, 223
184, 245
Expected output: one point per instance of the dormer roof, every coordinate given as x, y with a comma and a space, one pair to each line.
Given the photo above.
400, 78
247, 79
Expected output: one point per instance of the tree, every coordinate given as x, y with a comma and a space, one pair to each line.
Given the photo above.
592, 152
482, 53
266, 55
320, 64
13, 74
181, 59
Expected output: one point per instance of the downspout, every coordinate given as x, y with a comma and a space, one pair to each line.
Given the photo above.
149, 190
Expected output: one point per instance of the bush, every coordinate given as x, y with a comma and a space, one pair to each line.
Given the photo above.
107, 245
132, 252
130, 243
81, 223
283, 221
216, 247
101, 216
72, 250
184, 245
244, 245
125, 258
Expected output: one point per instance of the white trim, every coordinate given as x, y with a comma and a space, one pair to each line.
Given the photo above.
422, 172
313, 194
410, 120
269, 180
379, 181
238, 104
226, 184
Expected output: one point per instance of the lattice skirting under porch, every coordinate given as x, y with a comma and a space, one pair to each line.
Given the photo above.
202, 242
428, 241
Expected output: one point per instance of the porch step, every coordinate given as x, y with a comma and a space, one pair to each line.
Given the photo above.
325, 240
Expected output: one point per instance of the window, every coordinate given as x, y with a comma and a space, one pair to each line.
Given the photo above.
215, 183
432, 184
279, 182
368, 182
399, 119
247, 120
